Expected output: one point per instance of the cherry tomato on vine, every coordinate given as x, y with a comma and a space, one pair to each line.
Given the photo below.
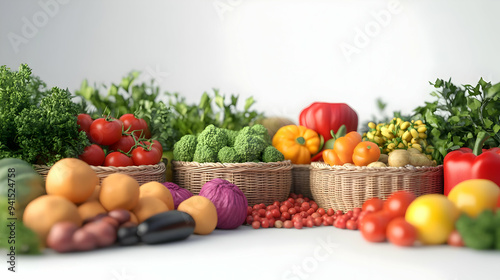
84, 121
105, 132
373, 204
131, 124
125, 143
141, 156
118, 159
455, 239
401, 233
93, 155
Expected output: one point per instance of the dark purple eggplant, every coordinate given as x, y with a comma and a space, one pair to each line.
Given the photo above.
127, 235
166, 227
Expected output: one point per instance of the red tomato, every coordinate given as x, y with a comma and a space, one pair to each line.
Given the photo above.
104, 132
352, 225
398, 202
93, 155
401, 233
117, 159
455, 239
140, 156
84, 121
131, 124
373, 204
156, 145
125, 143
373, 226
340, 223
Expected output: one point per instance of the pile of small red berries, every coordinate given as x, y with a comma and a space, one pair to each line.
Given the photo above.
298, 212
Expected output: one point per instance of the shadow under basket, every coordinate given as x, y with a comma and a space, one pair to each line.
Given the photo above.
260, 182
347, 187
141, 173
301, 180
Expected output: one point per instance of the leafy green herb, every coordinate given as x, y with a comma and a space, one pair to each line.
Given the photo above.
459, 114
38, 125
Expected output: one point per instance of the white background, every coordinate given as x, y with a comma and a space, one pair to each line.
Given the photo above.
285, 53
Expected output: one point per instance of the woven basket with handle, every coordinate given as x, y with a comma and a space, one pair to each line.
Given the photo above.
142, 173
346, 187
260, 182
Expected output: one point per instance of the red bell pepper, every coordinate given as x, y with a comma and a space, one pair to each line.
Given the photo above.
323, 117
464, 164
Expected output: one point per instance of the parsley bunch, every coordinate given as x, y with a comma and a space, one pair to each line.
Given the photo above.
38, 125
459, 114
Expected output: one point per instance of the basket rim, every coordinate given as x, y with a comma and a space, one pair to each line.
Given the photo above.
353, 168
285, 163
160, 165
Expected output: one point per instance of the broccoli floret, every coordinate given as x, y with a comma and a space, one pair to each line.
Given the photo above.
204, 153
271, 154
213, 137
262, 131
249, 145
184, 148
228, 155
231, 136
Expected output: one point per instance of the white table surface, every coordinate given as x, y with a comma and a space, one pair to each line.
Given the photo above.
245, 253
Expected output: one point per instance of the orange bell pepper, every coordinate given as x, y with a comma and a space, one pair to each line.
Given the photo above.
330, 157
365, 153
344, 146
297, 143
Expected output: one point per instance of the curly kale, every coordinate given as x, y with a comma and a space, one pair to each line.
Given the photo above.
38, 125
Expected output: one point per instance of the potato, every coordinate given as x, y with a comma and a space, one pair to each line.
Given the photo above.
84, 240
60, 237
149, 206
413, 151
377, 164
399, 158
203, 212
103, 231
110, 220
383, 158
121, 215
420, 160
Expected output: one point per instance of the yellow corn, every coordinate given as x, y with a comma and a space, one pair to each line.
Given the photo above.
422, 135
378, 140
419, 122
400, 133
414, 133
422, 128
391, 127
371, 125
406, 136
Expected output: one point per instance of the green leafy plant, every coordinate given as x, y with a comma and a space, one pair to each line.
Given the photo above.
459, 114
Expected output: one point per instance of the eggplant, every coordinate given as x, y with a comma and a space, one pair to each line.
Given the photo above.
165, 227
127, 235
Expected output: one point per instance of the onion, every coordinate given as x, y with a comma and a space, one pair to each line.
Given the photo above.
229, 200
178, 194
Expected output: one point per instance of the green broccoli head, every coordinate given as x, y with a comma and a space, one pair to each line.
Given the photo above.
262, 131
228, 155
271, 154
184, 148
213, 137
231, 136
204, 153
249, 145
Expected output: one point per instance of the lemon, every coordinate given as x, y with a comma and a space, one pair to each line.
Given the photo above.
434, 216
474, 196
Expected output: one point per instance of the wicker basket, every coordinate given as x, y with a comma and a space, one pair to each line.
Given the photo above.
142, 173
300, 179
260, 182
344, 188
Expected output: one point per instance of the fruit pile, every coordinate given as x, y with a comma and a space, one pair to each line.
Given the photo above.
298, 212
119, 142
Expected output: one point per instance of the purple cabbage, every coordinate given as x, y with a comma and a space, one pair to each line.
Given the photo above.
178, 194
230, 202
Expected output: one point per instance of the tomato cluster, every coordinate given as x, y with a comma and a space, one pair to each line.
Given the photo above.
386, 220
298, 212
119, 142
